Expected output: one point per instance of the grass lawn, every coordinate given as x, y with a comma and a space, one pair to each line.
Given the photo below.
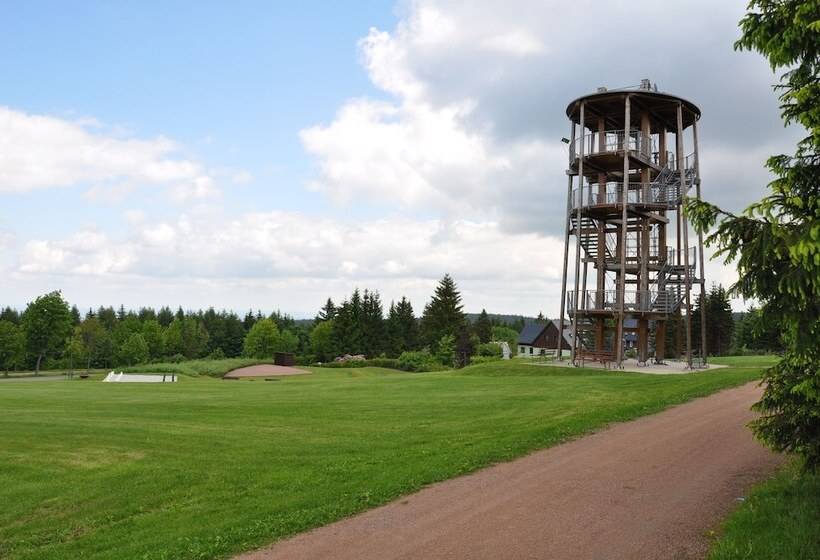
780, 519
205, 468
764, 361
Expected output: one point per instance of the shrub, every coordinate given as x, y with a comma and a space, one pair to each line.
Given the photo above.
390, 363
446, 348
420, 360
489, 349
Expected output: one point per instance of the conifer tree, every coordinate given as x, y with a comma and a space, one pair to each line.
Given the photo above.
402, 328
483, 328
327, 312
443, 315
775, 241
372, 325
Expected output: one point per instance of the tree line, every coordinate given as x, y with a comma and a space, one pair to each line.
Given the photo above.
50, 333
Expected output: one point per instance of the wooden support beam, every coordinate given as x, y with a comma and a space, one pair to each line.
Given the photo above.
574, 351
622, 277
685, 226
566, 255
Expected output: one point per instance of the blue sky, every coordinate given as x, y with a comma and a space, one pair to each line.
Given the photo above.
272, 154
233, 82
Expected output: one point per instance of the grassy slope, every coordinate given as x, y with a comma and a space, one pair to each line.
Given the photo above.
780, 519
204, 468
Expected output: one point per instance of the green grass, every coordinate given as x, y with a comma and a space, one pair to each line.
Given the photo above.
212, 368
780, 519
763, 361
205, 468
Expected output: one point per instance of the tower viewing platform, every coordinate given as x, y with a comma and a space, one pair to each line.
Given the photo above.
628, 174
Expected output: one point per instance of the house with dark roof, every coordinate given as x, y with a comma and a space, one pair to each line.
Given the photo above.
535, 339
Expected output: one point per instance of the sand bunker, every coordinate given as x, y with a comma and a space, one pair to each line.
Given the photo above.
265, 370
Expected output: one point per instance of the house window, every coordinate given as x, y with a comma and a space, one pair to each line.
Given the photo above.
530, 350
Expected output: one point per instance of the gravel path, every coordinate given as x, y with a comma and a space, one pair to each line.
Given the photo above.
648, 489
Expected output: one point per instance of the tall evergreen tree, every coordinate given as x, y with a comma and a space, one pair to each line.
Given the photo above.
165, 316
720, 324
234, 336
214, 323
11, 315
249, 320
483, 328
107, 317
342, 329
372, 325
147, 314
775, 241
75, 316
443, 314
327, 312
402, 328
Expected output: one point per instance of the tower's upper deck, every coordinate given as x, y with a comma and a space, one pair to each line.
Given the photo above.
609, 105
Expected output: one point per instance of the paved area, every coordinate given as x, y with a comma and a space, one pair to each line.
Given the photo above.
671, 367
648, 489
264, 370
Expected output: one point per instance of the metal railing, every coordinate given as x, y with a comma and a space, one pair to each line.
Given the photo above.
635, 301
688, 161
677, 258
637, 194
613, 141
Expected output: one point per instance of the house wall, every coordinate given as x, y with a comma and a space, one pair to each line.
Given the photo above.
551, 338
529, 350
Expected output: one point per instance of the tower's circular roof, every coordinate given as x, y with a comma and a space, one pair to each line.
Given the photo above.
610, 105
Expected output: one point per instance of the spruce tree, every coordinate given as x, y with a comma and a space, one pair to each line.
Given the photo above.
327, 312
402, 328
165, 316
443, 315
483, 328
372, 325
775, 240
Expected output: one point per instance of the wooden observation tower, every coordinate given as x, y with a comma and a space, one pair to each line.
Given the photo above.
628, 173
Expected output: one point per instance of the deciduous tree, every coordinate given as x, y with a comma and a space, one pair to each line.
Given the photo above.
262, 340
47, 326
12, 346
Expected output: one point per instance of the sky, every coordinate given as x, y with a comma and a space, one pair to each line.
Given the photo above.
270, 155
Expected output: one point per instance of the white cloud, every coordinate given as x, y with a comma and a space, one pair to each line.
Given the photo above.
40, 152
477, 96
393, 255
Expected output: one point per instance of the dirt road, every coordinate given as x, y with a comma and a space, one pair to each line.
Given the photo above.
650, 488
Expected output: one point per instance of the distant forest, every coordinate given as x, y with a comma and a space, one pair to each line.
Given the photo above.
51, 333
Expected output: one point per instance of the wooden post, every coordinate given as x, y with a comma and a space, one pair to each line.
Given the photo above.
624, 197
685, 226
643, 251
660, 326
558, 351
578, 236
703, 351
